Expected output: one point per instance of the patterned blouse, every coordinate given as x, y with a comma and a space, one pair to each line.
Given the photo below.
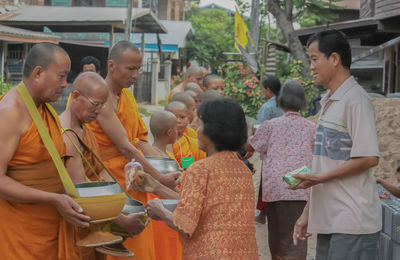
216, 210
286, 143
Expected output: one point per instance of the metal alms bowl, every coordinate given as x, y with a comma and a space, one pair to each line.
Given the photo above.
170, 204
98, 188
101, 201
132, 206
164, 165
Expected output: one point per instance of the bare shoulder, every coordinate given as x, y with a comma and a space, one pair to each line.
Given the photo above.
70, 139
14, 113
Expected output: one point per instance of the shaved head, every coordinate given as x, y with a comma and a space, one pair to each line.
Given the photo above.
161, 122
191, 93
208, 79
42, 54
175, 105
193, 87
209, 95
184, 98
88, 82
120, 47
193, 71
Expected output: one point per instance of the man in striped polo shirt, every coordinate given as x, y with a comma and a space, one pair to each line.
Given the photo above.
344, 208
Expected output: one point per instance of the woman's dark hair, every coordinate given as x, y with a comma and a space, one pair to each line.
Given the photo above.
224, 123
330, 41
273, 83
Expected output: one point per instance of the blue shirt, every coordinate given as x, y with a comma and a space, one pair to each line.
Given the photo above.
269, 110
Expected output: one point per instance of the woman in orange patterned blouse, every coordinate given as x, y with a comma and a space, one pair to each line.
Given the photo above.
215, 213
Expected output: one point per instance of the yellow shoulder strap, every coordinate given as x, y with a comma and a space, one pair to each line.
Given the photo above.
48, 142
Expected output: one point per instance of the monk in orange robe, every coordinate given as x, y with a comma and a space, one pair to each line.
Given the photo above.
34, 208
120, 132
185, 147
88, 96
193, 74
163, 127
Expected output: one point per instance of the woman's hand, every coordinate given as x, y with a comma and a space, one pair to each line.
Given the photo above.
133, 224
70, 210
145, 183
155, 209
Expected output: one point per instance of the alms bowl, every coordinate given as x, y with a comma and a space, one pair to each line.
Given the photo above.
170, 204
164, 165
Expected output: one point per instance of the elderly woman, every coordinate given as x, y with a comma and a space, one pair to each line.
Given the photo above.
215, 212
286, 144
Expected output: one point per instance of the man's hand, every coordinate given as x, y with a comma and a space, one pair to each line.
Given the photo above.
385, 196
307, 180
300, 229
133, 223
171, 180
155, 209
70, 210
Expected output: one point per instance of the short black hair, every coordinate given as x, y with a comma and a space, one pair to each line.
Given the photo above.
90, 60
398, 170
273, 83
120, 47
330, 41
42, 54
208, 78
224, 123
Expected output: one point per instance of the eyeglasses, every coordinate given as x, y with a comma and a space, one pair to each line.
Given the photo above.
95, 104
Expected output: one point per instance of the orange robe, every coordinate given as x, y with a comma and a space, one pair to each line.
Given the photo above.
88, 253
187, 146
191, 132
35, 231
166, 240
141, 245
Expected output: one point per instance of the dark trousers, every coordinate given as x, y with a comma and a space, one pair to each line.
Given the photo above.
281, 217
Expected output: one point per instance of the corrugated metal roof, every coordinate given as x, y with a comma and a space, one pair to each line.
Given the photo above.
53, 16
20, 35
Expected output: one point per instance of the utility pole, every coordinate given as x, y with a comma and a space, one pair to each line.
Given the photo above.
255, 24
128, 22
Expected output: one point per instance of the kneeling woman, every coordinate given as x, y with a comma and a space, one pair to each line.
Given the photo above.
215, 212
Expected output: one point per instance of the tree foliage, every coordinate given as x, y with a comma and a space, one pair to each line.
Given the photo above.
213, 35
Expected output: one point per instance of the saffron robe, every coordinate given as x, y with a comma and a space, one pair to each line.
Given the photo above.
35, 231
166, 240
187, 146
88, 253
141, 245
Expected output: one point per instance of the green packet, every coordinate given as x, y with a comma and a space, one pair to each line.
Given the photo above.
289, 179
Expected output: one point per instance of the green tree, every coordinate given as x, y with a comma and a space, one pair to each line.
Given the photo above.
4, 87
213, 35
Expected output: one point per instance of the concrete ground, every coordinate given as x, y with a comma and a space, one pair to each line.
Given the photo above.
261, 230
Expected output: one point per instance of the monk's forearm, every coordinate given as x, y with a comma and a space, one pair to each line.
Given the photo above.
130, 152
14, 191
147, 149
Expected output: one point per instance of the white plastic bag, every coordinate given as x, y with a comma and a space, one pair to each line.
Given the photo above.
131, 168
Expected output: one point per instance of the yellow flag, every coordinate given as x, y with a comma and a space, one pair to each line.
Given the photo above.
241, 32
